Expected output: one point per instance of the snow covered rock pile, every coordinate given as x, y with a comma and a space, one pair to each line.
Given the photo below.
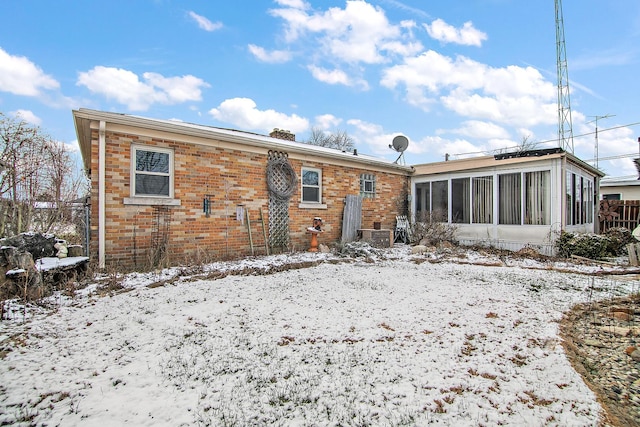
18, 257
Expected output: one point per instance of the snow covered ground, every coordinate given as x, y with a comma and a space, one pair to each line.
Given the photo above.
386, 340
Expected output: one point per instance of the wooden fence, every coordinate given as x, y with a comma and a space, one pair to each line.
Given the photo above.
619, 213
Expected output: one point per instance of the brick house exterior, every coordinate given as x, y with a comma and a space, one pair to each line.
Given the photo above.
206, 180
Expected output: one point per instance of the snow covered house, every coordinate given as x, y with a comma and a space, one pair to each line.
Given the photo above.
178, 192
510, 200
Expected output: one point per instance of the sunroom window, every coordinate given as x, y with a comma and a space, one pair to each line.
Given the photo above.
439, 200
482, 195
537, 198
579, 199
460, 200
509, 198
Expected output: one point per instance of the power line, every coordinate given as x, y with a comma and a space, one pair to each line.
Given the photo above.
549, 141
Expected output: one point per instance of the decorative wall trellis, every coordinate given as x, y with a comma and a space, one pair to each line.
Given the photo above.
160, 233
282, 183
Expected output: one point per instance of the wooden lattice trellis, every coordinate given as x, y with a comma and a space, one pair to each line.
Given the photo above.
281, 181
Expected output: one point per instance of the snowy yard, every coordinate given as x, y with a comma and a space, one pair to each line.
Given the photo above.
398, 341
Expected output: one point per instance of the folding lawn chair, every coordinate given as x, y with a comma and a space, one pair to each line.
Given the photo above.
402, 229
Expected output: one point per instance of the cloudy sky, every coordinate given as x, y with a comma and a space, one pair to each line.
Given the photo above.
464, 77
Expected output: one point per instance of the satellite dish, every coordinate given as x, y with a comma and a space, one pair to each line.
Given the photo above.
400, 143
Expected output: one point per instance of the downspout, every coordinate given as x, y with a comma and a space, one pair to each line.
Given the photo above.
102, 149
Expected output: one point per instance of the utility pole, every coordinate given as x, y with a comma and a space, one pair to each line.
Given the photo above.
596, 118
565, 131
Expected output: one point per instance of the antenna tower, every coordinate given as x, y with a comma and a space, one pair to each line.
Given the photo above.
565, 131
596, 118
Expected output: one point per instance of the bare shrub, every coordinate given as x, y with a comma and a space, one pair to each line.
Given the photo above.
432, 228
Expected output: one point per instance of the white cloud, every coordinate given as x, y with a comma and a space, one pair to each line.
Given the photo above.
374, 137
467, 35
358, 33
295, 4
481, 130
327, 121
274, 56
20, 76
509, 95
242, 112
412, 10
204, 23
126, 88
336, 76
73, 146
27, 116
455, 148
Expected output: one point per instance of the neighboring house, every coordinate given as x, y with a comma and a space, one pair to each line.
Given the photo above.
620, 189
620, 203
509, 200
177, 192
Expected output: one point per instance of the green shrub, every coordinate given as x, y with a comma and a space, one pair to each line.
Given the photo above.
618, 239
586, 245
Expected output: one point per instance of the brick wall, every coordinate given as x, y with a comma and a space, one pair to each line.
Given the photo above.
231, 178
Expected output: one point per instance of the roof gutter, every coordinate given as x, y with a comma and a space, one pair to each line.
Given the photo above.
254, 140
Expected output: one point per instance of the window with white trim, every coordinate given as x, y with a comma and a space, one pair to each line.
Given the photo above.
509, 198
311, 185
152, 173
482, 199
367, 185
580, 196
461, 200
522, 198
440, 199
432, 201
537, 198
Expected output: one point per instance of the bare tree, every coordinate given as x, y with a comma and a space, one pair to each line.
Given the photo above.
37, 181
526, 144
339, 140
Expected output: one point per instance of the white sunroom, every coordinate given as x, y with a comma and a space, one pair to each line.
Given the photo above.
509, 200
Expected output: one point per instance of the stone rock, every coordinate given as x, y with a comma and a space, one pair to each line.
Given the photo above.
621, 315
418, 249
446, 245
78, 250
321, 247
635, 355
593, 343
628, 310
13, 259
37, 244
616, 330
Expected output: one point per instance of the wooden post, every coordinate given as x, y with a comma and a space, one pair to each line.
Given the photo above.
633, 255
249, 228
264, 232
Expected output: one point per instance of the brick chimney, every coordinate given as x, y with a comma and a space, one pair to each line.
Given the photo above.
282, 134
